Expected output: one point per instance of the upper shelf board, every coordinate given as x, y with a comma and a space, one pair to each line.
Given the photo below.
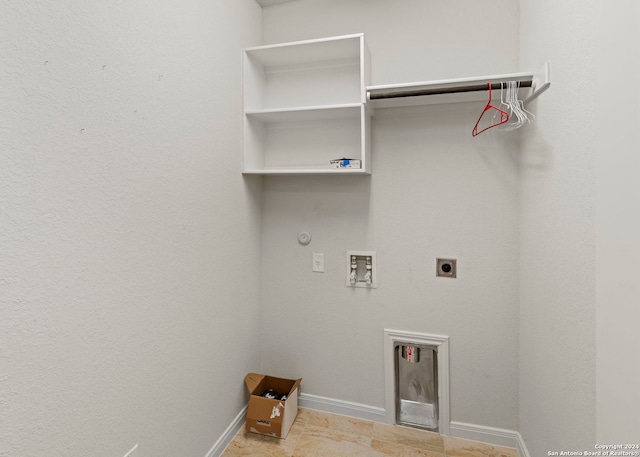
455, 90
345, 47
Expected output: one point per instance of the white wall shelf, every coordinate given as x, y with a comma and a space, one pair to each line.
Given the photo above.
456, 90
305, 105
312, 113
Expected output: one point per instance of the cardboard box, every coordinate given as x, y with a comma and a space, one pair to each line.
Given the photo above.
267, 416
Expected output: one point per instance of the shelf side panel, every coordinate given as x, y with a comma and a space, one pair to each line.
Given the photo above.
365, 70
365, 134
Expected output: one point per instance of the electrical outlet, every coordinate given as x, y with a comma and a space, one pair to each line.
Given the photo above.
318, 262
133, 452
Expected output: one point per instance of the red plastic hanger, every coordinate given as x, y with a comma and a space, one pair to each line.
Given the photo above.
504, 116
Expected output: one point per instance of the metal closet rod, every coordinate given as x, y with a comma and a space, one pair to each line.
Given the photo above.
444, 90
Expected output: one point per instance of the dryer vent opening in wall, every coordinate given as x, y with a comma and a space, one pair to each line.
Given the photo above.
416, 372
416, 367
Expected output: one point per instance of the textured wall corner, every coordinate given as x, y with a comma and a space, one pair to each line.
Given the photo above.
122, 213
557, 226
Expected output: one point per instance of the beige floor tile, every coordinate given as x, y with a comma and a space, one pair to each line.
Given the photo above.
411, 437
457, 447
303, 415
252, 444
332, 442
399, 450
298, 425
343, 423
317, 434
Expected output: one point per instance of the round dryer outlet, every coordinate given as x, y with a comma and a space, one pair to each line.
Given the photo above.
446, 268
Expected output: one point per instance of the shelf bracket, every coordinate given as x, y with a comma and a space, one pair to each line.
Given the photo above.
541, 82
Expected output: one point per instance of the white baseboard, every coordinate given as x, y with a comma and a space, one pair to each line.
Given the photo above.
344, 408
490, 435
228, 435
522, 447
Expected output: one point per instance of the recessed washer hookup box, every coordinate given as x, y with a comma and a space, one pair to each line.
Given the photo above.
273, 404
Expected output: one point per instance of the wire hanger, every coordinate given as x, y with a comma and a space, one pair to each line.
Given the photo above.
515, 106
504, 116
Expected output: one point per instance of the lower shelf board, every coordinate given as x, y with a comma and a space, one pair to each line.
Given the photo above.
307, 171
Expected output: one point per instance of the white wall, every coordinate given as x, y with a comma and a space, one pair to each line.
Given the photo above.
411, 40
127, 233
618, 224
435, 191
557, 225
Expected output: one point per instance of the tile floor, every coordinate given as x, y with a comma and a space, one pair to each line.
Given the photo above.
318, 434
